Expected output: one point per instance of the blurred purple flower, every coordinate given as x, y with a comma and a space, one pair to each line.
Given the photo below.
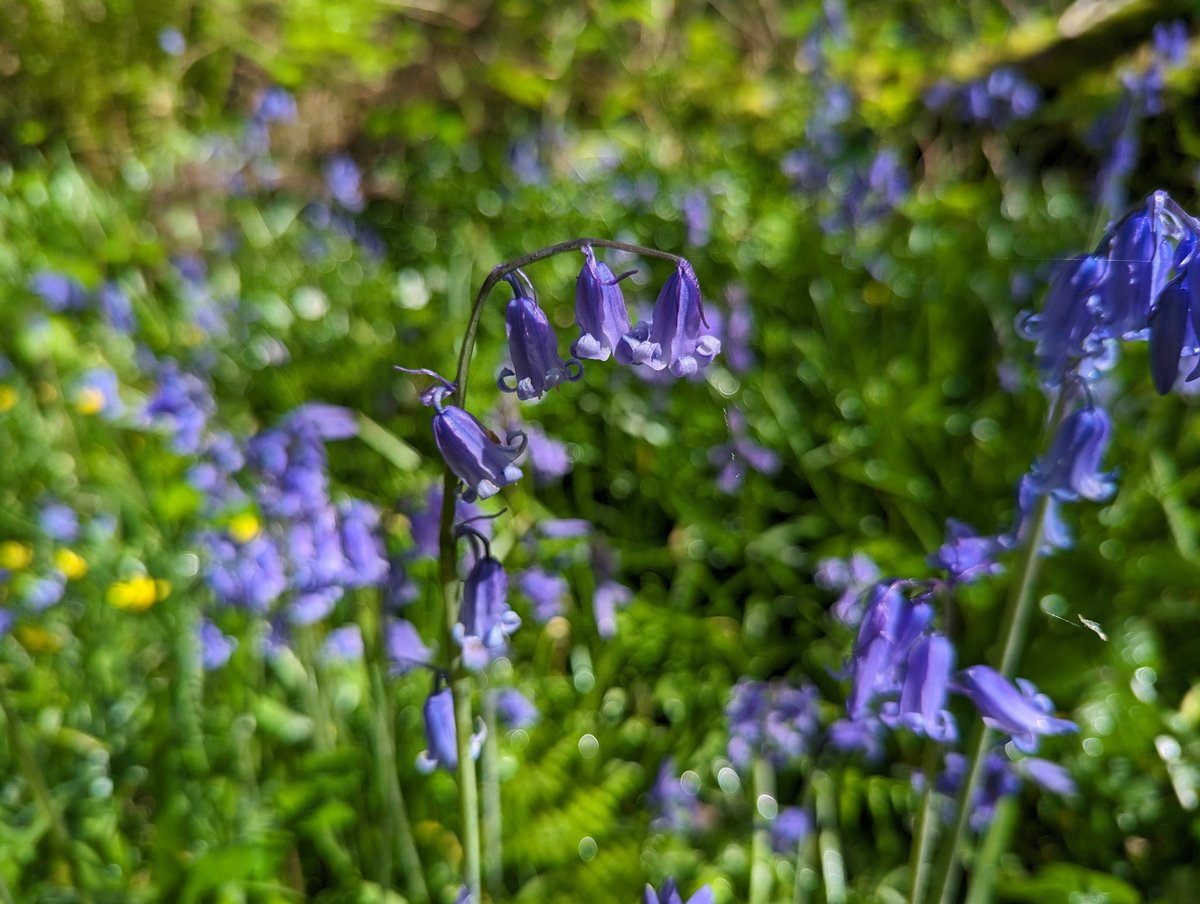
344, 181
59, 291
405, 649
344, 644
852, 577
116, 307
790, 828
608, 598
966, 556
59, 522
675, 808
215, 646
547, 592
515, 710
1018, 710
172, 42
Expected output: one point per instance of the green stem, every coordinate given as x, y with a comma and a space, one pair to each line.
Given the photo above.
493, 851
925, 829
760, 862
833, 867
995, 843
41, 793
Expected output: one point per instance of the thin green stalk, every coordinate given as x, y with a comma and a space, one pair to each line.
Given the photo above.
493, 850
760, 857
995, 843
833, 866
925, 829
41, 793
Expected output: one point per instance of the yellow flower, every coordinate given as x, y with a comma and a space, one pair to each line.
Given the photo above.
8, 398
137, 594
38, 640
15, 555
70, 563
89, 400
244, 527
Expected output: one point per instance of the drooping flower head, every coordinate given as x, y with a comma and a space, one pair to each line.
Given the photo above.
485, 619
532, 345
404, 647
1018, 710
891, 625
600, 310
440, 734
547, 592
676, 333
515, 710
1071, 469
922, 705
967, 556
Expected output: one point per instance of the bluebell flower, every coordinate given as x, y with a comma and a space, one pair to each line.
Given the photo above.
890, 626
675, 807
547, 592
215, 646
1071, 469
548, 458
440, 734
533, 346
774, 721
668, 893
863, 735
59, 291
59, 522
366, 563
115, 307
183, 403
344, 181
790, 828
1046, 775
515, 710
966, 556
1018, 710
1063, 330
172, 42
249, 575
600, 311
1055, 532
40, 593
1171, 329
697, 214
344, 644
276, 105
315, 551
319, 420
999, 781
564, 528
475, 454
852, 577
608, 598
676, 334
738, 331
399, 590
922, 705
405, 649
311, 606
485, 619
1171, 42
740, 449
425, 523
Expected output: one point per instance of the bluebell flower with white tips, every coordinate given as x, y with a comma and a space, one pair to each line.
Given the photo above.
475, 454
922, 705
485, 619
890, 626
1018, 710
1071, 469
966, 556
600, 311
440, 734
676, 332
533, 346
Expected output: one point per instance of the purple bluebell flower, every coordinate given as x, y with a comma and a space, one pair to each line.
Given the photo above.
1170, 42
344, 644
600, 311
774, 721
852, 577
967, 556
515, 710
276, 105
366, 564
7, 620
697, 214
59, 522
59, 291
440, 734
115, 307
215, 646
863, 735
890, 626
608, 598
97, 392
675, 806
485, 619
668, 893
790, 828
1064, 329
677, 340
172, 42
1071, 469
564, 528
1046, 775
322, 421
311, 606
548, 458
1139, 261
476, 454
741, 448
922, 705
405, 649
425, 524
400, 590
40, 593
999, 781
533, 346
1170, 324
249, 575
315, 551
547, 592
738, 332
183, 403
1055, 532
1018, 710
344, 181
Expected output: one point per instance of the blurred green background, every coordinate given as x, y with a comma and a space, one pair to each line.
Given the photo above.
888, 376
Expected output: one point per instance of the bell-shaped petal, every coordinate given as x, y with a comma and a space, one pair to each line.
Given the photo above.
485, 619
439, 733
515, 710
1063, 327
1018, 710
600, 310
922, 706
1168, 330
965, 555
475, 454
533, 347
405, 649
677, 331
1071, 469
891, 625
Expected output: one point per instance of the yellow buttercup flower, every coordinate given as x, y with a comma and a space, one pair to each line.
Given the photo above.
137, 594
8, 398
244, 527
70, 563
15, 555
37, 639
